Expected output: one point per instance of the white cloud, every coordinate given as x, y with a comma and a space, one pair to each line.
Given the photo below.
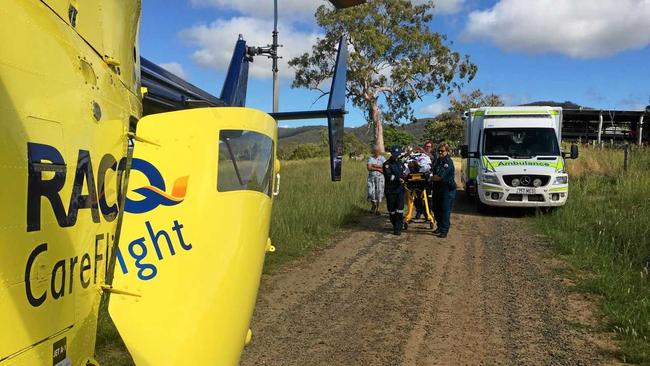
288, 9
579, 29
435, 108
175, 68
448, 6
444, 6
215, 43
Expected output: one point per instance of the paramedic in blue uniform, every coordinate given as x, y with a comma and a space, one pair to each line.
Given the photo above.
444, 190
395, 192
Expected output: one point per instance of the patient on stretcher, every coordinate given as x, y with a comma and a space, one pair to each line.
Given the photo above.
418, 163
418, 172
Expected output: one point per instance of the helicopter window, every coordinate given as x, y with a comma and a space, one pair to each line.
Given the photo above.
245, 161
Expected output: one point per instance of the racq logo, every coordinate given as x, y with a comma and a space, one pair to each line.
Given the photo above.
47, 172
155, 193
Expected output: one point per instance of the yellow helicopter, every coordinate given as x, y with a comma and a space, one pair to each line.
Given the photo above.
168, 213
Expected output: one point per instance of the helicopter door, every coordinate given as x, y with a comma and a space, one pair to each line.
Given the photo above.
194, 235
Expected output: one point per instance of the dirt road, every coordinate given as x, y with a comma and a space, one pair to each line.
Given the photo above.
488, 294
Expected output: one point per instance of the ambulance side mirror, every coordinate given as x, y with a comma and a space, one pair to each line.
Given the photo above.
573, 154
463, 152
574, 151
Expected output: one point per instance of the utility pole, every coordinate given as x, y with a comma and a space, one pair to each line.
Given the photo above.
271, 51
274, 56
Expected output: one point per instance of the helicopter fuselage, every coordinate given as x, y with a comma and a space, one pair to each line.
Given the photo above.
68, 97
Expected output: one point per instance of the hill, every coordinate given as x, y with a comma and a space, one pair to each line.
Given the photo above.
565, 105
290, 137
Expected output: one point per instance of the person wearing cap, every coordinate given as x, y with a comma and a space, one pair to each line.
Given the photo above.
394, 174
444, 184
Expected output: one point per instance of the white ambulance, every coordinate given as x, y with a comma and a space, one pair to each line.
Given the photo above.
512, 156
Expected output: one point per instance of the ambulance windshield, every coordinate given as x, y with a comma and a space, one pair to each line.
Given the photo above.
520, 142
245, 161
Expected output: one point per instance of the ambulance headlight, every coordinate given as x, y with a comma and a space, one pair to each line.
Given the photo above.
489, 178
561, 179
537, 182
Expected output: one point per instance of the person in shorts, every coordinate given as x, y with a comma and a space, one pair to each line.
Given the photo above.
376, 179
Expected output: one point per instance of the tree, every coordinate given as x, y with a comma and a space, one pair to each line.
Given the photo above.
394, 135
448, 126
352, 145
474, 99
394, 59
307, 151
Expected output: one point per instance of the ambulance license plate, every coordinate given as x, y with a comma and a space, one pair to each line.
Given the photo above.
522, 190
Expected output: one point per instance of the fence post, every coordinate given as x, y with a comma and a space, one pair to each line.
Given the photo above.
640, 131
626, 156
600, 126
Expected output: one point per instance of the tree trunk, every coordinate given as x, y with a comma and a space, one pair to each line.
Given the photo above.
375, 114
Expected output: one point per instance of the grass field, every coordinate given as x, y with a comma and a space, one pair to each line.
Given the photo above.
310, 207
605, 230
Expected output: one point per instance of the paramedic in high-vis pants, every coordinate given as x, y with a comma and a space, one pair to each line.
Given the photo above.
444, 190
395, 191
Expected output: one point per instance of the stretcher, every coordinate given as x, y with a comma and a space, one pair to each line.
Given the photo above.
416, 188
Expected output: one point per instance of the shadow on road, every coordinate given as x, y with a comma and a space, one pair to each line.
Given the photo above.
463, 205
466, 205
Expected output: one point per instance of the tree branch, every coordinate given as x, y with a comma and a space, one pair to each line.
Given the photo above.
322, 94
384, 89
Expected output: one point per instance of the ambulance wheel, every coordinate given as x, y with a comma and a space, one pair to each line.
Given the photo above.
481, 207
546, 210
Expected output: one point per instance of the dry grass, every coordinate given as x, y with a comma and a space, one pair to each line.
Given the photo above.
594, 161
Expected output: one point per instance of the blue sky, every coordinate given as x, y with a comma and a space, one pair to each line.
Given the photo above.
596, 54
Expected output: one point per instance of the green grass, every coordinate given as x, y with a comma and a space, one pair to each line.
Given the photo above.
110, 349
604, 230
310, 208
308, 211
